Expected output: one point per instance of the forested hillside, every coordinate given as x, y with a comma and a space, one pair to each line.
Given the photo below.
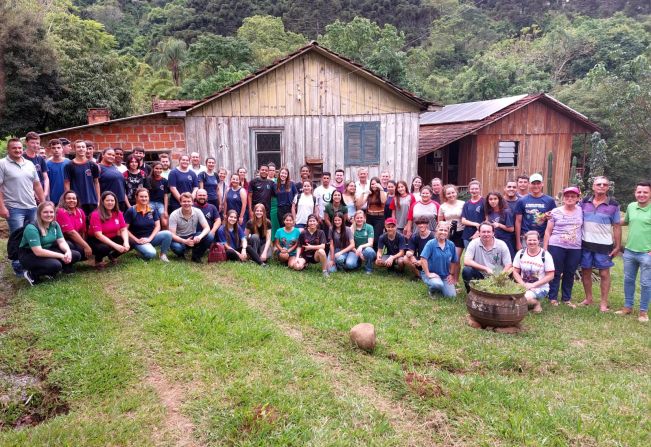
59, 57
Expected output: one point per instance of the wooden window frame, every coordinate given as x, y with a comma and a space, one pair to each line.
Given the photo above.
364, 126
254, 131
516, 156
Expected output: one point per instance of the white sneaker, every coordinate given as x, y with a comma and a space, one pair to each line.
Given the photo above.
28, 277
163, 258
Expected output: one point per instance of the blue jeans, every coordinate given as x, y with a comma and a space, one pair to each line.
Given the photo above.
18, 218
353, 262
468, 274
163, 239
634, 261
158, 206
566, 261
197, 251
439, 285
341, 260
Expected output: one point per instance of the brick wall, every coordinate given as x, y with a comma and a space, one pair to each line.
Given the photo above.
152, 134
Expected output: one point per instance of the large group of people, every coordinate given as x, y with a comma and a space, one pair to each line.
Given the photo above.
77, 208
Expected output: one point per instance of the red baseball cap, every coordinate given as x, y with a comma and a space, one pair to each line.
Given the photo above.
390, 221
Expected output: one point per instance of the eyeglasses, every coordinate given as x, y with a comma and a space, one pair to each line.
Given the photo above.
601, 184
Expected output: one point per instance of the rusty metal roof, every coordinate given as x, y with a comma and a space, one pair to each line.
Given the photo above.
168, 105
435, 133
314, 46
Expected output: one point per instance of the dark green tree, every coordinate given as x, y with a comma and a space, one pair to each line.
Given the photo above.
29, 77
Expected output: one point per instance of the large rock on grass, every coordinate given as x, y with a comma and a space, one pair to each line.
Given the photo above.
363, 336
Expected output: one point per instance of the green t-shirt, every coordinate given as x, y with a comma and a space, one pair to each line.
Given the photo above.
639, 228
32, 237
286, 239
361, 236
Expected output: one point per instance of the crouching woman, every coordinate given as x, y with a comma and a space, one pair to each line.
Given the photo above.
43, 249
534, 269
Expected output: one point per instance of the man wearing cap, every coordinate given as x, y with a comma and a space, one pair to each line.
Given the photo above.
532, 210
602, 239
637, 255
391, 247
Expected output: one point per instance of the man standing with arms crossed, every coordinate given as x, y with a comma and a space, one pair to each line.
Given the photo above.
602, 239
637, 255
19, 185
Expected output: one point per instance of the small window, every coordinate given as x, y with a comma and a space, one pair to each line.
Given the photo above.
362, 143
267, 148
507, 154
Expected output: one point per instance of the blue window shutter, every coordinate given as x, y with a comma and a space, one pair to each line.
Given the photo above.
362, 143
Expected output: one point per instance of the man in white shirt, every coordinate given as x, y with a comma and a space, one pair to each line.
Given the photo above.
485, 255
323, 193
195, 163
362, 184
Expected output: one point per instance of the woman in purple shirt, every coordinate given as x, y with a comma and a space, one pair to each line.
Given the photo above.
563, 241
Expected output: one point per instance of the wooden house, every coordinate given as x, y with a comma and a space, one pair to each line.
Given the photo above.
497, 140
311, 107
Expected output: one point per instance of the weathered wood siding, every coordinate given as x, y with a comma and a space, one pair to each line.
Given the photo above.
309, 85
539, 129
315, 137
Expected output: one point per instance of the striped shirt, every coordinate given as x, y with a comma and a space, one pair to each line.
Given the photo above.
598, 224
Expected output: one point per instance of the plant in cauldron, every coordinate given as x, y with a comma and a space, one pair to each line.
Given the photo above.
498, 284
496, 301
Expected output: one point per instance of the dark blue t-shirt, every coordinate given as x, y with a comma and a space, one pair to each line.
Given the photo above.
474, 212
182, 181
157, 189
210, 183
533, 211
39, 163
505, 218
210, 212
141, 225
111, 179
55, 172
230, 238
82, 181
285, 196
417, 243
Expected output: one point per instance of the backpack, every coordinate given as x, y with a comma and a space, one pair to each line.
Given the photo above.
217, 252
298, 198
13, 244
521, 252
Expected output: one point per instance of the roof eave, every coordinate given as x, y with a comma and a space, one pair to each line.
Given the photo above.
117, 120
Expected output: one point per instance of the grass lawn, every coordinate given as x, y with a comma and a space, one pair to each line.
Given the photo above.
227, 354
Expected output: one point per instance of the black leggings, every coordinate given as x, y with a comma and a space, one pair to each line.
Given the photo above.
41, 266
282, 210
377, 222
232, 255
101, 250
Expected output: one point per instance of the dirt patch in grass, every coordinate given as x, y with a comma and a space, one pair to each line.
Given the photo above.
4, 229
261, 415
176, 424
418, 430
27, 398
423, 386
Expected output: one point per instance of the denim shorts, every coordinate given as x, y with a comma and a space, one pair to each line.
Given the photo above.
158, 206
590, 259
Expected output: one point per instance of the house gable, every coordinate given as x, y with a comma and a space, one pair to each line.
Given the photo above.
312, 83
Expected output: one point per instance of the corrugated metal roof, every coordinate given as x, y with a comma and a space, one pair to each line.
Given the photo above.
468, 111
163, 105
433, 136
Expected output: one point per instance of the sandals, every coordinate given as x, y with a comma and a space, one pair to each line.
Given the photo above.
585, 303
624, 311
570, 304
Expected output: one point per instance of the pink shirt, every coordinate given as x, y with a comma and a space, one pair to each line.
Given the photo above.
109, 228
71, 222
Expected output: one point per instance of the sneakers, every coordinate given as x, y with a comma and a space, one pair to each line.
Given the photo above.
326, 275
431, 293
624, 311
29, 278
368, 272
163, 258
643, 318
